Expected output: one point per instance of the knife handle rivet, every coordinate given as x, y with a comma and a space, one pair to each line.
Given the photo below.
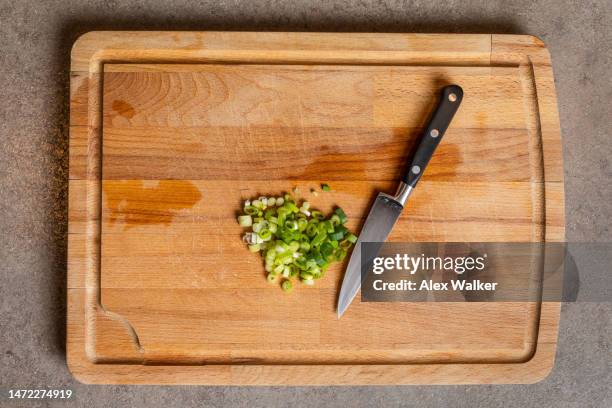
416, 169
434, 133
452, 97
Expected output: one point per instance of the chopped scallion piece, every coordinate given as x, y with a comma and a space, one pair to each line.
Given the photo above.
346, 244
305, 275
319, 238
286, 285
245, 220
317, 215
250, 210
329, 226
293, 246
250, 238
302, 224
325, 187
336, 236
311, 230
340, 212
291, 206
266, 235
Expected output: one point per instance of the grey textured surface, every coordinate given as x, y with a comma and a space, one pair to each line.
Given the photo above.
35, 41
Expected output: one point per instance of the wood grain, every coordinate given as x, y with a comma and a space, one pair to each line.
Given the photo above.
169, 131
252, 47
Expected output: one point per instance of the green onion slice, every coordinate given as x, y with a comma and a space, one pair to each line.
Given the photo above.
245, 220
250, 210
286, 285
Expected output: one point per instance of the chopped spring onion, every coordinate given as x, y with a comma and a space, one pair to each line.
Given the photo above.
295, 241
250, 210
302, 224
286, 285
304, 208
294, 246
325, 187
255, 247
311, 230
318, 215
319, 238
340, 213
291, 225
265, 235
251, 238
335, 236
306, 276
245, 220
289, 205
346, 244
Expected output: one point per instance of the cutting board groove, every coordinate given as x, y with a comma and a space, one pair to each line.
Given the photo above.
170, 131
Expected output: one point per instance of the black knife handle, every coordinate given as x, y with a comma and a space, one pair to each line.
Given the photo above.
450, 100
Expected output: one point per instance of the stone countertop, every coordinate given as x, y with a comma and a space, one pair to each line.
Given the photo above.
35, 42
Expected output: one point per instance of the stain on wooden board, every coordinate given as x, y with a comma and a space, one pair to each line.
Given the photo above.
138, 202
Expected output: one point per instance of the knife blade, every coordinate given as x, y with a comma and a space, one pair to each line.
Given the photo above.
386, 208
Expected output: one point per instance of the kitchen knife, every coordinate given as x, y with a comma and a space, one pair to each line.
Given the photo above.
387, 209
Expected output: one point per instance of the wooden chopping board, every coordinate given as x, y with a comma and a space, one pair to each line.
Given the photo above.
171, 130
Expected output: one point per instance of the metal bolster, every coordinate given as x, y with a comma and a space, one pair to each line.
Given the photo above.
402, 193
